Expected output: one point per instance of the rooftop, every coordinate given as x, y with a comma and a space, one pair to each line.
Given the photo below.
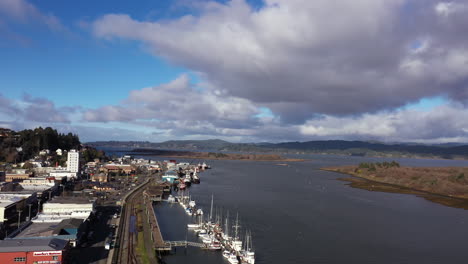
17, 245
49, 229
70, 200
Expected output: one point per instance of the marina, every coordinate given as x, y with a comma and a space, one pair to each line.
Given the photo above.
296, 213
209, 229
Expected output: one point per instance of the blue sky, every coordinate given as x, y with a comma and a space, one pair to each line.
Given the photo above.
238, 70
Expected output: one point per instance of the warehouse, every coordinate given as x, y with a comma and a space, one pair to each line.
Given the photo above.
32, 251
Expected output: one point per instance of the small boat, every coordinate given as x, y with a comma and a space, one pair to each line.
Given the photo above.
171, 199
195, 178
192, 203
215, 245
187, 180
193, 225
204, 236
189, 211
201, 231
199, 212
233, 259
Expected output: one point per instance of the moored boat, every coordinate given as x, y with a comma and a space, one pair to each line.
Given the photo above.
171, 199
193, 225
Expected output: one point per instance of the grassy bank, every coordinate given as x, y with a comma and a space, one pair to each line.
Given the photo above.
447, 185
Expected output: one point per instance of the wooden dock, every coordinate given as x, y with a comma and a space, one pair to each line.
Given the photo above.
156, 236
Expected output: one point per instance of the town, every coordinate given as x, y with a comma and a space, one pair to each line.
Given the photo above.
54, 214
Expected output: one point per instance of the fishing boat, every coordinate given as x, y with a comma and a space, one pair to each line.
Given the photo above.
170, 176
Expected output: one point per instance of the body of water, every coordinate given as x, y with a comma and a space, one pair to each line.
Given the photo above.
300, 214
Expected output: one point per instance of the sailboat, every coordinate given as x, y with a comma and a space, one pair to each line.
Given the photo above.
248, 256
236, 244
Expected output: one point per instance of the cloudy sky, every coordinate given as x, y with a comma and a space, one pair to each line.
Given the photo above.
240, 70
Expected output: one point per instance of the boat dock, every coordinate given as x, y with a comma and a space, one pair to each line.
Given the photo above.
158, 242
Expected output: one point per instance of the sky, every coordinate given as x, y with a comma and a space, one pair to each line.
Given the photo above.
238, 70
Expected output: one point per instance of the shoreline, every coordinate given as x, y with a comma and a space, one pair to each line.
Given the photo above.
209, 157
361, 182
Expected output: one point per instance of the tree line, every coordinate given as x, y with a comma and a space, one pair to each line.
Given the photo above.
25, 144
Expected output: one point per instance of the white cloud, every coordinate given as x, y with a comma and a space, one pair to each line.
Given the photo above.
441, 124
445, 8
25, 12
33, 110
179, 105
303, 58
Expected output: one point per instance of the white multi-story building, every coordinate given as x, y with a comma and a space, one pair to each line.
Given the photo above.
73, 161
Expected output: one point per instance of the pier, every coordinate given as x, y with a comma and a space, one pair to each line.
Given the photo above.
156, 236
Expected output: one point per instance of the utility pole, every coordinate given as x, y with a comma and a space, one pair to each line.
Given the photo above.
30, 211
19, 218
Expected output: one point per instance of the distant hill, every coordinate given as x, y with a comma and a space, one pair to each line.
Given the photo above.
342, 147
210, 144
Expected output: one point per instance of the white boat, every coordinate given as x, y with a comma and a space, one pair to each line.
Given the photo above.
193, 225
187, 180
236, 244
195, 178
208, 240
248, 255
215, 245
204, 235
233, 259
200, 231
192, 204
199, 212
171, 199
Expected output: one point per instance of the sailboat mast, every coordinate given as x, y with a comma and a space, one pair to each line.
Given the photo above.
211, 210
227, 224
236, 227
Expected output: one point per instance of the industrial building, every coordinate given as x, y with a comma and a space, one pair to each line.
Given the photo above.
33, 251
61, 208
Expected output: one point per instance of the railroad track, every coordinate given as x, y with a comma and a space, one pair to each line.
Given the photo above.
127, 229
